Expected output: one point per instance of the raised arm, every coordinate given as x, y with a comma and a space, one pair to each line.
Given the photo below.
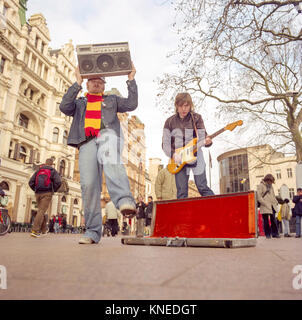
130, 103
68, 104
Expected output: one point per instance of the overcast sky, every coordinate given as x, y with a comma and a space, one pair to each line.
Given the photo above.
146, 25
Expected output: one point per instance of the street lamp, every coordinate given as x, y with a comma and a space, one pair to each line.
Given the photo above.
140, 166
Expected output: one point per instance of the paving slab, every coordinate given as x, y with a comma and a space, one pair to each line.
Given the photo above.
57, 267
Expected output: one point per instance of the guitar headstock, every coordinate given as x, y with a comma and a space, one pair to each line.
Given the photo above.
233, 125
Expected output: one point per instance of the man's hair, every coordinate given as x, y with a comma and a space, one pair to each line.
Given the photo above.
269, 177
150, 197
182, 98
299, 189
49, 162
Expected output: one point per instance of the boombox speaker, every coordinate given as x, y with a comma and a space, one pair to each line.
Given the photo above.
104, 59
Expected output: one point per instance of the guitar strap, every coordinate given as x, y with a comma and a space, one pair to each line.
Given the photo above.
194, 126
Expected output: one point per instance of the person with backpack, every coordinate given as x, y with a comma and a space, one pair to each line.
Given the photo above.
44, 182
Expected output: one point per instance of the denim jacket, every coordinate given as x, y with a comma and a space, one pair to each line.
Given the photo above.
76, 108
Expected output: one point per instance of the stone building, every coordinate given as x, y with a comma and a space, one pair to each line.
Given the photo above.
33, 80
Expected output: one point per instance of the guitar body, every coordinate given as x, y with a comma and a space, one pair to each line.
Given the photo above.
187, 154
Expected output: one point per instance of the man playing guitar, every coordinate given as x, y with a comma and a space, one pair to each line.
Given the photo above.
179, 129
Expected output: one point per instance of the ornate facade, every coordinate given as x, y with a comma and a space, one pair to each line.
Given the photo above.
33, 80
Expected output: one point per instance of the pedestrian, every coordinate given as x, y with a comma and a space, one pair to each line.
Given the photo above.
165, 186
64, 223
56, 223
298, 211
51, 224
96, 132
179, 130
44, 182
268, 206
103, 211
112, 216
286, 216
140, 217
148, 215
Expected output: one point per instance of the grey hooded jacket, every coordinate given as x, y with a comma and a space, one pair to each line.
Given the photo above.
76, 108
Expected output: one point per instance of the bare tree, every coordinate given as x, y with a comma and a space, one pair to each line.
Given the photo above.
247, 56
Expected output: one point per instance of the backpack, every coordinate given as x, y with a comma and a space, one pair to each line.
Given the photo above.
43, 182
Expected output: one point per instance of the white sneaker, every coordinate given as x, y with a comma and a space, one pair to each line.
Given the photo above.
86, 240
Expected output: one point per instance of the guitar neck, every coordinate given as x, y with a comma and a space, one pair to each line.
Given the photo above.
215, 134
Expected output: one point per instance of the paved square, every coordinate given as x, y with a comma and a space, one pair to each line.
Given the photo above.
57, 267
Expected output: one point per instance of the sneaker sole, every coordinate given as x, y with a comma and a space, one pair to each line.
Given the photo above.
128, 213
35, 235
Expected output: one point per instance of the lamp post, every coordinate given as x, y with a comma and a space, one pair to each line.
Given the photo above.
299, 175
140, 166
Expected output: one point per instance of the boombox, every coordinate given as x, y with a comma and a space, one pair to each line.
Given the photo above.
104, 59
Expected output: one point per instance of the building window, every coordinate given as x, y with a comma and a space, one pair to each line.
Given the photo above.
22, 154
278, 174
291, 192
11, 150
62, 168
23, 120
289, 173
65, 136
58, 111
55, 135
75, 202
2, 64
234, 175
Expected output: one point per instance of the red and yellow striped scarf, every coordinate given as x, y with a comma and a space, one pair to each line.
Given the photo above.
93, 114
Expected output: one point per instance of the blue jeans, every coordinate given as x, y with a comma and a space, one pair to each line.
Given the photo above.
298, 225
200, 178
102, 153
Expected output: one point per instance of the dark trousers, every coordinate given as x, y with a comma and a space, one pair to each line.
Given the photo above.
270, 229
113, 226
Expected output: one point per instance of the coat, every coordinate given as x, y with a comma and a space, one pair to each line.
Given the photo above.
165, 186
298, 205
140, 206
111, 211
76, 108
267, 202
286, 211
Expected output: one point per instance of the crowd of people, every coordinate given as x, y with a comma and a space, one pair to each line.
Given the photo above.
113, 221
